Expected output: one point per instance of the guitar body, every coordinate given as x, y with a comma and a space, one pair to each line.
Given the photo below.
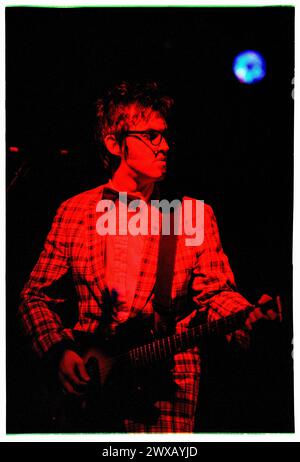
118, 389
107, 355
99, 364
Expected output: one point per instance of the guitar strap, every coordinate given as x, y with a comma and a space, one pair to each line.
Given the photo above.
164, 318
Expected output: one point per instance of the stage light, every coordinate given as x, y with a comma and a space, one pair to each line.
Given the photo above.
249, 67
13, 149
64, 152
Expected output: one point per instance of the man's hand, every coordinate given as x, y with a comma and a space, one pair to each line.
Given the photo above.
257, 314
260, 312
72, 373
242, 336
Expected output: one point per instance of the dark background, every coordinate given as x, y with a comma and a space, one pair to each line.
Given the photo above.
234, 149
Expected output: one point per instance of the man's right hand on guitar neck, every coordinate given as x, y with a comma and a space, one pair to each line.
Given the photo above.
72, 373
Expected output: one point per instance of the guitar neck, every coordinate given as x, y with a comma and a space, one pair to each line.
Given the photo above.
163, 348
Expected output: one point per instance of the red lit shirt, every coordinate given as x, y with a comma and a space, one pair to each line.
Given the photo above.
122, 266
123, 256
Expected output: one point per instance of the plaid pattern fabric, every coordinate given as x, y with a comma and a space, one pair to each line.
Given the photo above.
176, 415
74, 245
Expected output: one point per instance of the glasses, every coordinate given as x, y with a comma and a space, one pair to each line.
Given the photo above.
155, 137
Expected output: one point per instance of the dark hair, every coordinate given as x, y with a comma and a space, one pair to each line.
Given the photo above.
112, 111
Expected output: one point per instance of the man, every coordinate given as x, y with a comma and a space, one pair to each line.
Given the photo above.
115, 274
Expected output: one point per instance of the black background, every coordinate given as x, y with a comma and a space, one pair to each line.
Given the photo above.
234, 149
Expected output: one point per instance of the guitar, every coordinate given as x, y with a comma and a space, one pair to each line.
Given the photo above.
122, 383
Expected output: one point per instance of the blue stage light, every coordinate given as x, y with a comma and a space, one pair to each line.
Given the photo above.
249, 67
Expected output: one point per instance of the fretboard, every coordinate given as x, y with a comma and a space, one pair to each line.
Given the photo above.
163, 348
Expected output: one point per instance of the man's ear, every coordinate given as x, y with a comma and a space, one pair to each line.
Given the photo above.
112, 145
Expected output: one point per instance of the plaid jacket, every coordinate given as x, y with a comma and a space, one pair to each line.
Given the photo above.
74, 245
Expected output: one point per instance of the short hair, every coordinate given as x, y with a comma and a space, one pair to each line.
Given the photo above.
112, 115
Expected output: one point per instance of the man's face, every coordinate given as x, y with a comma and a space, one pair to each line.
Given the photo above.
146, 153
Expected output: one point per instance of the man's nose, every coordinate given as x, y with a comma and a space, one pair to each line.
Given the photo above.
164, 146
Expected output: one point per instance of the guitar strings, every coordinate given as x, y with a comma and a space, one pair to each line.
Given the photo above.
140, 356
